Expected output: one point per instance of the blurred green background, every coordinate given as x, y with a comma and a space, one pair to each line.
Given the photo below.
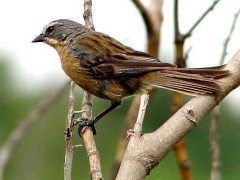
40, 154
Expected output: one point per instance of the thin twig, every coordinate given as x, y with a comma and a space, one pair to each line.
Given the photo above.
176, 19
141, 114
215, 150
68, 136
87, 134
225, 44
201, 18
88, 14
214, 131
34, 116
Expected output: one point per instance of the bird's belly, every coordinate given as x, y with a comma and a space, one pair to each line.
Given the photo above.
111, 89
106, 89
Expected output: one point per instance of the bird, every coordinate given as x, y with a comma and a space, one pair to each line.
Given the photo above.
106, 68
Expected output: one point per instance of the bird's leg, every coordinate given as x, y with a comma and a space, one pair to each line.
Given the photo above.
90, 123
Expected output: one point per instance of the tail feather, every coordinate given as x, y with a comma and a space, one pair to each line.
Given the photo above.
188, 81
211, 72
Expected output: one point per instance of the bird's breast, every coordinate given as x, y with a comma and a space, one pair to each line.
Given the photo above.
111, 89
78, 74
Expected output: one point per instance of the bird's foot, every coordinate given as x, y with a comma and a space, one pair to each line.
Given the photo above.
83, 123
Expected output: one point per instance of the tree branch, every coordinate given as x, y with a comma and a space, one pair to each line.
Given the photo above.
225, 45
122, 145
145, 152
88, 14
141, 114
87, 134
33, 117
69, 136
214, 140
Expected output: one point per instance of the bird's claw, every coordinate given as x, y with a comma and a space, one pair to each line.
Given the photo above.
83, 123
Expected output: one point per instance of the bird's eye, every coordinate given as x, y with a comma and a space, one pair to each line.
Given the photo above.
50, 29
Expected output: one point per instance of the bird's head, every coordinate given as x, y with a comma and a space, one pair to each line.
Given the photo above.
58, 32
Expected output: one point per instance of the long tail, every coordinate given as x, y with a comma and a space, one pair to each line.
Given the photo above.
194, 82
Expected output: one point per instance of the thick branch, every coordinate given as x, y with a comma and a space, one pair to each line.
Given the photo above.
18, 133
128, 124
145, 152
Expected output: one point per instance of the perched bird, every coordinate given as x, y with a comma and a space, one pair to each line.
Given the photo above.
110, 70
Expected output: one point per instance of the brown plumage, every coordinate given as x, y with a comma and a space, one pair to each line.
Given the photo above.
108, 69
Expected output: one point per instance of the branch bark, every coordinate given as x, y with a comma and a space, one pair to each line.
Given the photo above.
33, 117
141, 113
69, 136
214, 140
87, 134
145, 152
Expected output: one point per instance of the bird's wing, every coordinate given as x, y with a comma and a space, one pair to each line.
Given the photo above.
106, 57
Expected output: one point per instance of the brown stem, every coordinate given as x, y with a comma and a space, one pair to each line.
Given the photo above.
145, 15
33, 117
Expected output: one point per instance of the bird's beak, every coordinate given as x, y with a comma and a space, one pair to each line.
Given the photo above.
39, 38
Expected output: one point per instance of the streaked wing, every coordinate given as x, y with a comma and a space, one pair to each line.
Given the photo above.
105, 57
